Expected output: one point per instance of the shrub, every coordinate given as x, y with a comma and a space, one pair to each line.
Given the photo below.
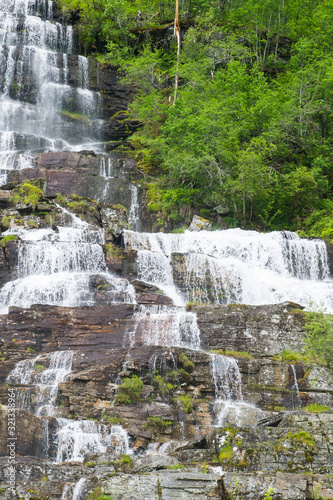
319, 336
130, 390
186, 403
6, 239
315, 408
185, 362
31, 194
164, 388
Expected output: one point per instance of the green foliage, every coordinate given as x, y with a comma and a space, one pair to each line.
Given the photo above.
302, 440
185, 362
294, 357
158, 423
315, 408
6, 239
97, 495
125, 459
186, 402
175, 467
252, 125
31, 194
130, 390
269, 493
319, 335
5, 222
234, 354
162, 387
27, 193
112, 420
60, 200
75, 116
39, 368
226, 453
113, 252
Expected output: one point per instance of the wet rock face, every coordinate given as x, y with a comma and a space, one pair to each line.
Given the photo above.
168, 485
265, 329
29, 431
8, 261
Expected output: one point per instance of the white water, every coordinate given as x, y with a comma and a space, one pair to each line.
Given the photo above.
236, 266
60, 267
77, 438
295, 389
78, 488
165, 326
46, 381
106, 168
74, 439
133, 214
34, 49
229, 406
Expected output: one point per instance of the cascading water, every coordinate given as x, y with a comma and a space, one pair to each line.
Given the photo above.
133, 215
37, 105
74, 439
46, 381
78, 489
229, 406
166, 326
295, 389
235, 266
60, 268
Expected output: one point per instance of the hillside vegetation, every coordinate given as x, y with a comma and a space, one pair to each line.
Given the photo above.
250, 126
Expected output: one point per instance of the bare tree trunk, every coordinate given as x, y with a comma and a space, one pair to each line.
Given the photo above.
177, 35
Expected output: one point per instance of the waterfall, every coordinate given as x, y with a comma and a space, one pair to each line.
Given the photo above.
45, 381
133, 214
226, 377
166, 326
61, 267
295, 389
75, 439
229, 405
38, 109
106, 168
78, 488
235, 266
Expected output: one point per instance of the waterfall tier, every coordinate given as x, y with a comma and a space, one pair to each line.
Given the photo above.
233, 265
64, 267
43, 105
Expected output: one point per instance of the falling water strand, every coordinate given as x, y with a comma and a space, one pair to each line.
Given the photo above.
67, 492
166, 326
78, 489
45, 380
229, 405
133, 215
295, 389
74, 439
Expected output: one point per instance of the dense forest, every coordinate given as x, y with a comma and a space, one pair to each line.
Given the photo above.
234, 104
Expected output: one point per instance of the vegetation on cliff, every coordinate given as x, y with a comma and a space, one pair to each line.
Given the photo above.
251, 128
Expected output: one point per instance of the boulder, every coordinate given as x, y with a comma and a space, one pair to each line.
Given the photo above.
200, 224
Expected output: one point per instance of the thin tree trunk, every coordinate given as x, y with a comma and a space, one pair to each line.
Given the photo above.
177, 35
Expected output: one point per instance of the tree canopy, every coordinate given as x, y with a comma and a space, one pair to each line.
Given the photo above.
252, 125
